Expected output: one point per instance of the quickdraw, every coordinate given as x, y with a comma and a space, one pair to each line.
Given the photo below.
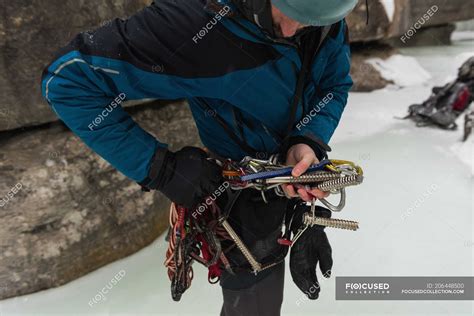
200, 238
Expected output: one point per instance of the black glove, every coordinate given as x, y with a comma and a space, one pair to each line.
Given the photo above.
311, 247
186, 177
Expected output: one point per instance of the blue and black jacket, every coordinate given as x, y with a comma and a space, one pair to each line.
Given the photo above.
228, 69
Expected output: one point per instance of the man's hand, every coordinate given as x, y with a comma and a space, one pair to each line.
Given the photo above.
301, 156
186, 176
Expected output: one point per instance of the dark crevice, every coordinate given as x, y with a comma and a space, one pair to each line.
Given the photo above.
45, 227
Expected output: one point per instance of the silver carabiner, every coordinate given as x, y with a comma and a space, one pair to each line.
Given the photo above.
340, 206
305, 225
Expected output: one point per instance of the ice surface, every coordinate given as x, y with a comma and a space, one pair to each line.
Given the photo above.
399, 235
402, 70
463, 35
465, 152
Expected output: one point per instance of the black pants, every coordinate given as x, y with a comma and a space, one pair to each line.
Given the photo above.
263, 298
258, 223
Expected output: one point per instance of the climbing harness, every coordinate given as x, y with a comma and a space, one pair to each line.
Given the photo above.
199, 234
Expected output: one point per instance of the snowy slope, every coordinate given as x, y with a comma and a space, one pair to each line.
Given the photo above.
402, 70
415, 211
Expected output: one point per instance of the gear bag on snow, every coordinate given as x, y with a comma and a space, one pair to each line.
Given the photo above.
446, 103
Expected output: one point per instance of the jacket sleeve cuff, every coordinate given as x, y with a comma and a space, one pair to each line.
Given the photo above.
151, 182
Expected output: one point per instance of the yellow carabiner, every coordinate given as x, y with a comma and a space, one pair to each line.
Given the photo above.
337, 162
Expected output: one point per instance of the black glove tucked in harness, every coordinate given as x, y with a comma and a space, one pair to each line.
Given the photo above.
186, 177
311, 247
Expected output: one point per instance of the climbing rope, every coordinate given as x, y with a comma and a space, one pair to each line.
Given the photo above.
190, 240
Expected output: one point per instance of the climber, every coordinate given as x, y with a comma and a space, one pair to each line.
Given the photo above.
251, 71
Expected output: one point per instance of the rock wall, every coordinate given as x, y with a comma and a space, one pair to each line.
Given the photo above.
64, 211
388, 19
366, 78
30, 33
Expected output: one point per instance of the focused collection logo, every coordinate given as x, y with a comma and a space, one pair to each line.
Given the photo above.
367, 288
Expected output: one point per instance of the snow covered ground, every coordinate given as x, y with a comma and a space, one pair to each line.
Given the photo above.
414, 208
